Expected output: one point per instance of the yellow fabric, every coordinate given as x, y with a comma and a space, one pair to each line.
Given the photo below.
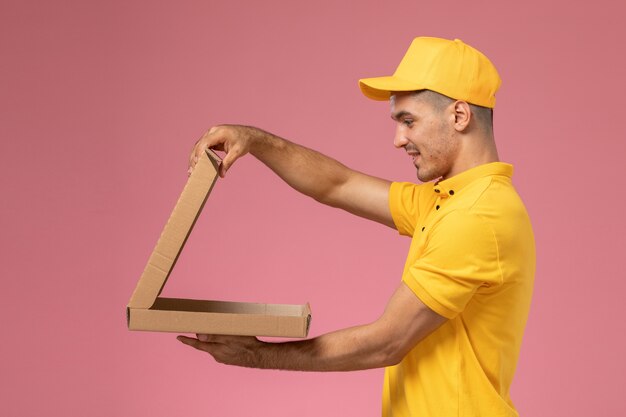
451, 68
472, 261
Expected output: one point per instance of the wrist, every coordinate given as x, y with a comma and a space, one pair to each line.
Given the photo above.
262, 143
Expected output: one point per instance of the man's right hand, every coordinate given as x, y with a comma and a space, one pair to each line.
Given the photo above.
234, 140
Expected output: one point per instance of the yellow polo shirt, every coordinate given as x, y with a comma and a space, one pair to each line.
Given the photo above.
472, 260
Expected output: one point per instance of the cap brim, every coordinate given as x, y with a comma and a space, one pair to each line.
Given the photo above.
380, 88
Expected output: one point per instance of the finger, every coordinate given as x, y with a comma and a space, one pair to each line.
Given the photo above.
192, 155
199, 150
228, 161
209, 338
199, 147
195, 343
191, 164
219, 339
194, 149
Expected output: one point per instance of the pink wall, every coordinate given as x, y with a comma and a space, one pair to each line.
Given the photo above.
100, 103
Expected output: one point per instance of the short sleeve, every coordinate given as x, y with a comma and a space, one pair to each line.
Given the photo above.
403, 204
461, 255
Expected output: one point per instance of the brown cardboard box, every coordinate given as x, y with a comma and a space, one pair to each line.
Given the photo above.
147, 311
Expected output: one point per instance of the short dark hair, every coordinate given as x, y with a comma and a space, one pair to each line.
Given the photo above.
483, 115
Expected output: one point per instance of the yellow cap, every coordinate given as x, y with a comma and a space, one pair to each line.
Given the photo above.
451, 68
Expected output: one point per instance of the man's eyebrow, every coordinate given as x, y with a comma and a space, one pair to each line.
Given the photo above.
401, 114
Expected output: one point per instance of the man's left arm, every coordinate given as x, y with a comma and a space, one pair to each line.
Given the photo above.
405, 321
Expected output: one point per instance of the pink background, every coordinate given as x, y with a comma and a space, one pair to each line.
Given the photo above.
101, 102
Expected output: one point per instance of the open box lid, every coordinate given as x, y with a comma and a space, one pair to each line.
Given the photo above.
176, 231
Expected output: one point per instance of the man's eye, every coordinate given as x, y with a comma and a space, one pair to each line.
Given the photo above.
408, 123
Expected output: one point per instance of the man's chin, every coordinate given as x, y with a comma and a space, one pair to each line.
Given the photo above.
424, 176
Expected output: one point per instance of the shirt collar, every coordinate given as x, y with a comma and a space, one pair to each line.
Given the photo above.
452, 185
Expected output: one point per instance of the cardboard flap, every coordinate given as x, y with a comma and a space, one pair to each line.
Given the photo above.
176, 231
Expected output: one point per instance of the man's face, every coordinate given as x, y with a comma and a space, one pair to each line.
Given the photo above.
426, 133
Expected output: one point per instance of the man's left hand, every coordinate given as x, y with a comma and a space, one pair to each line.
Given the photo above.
229, 350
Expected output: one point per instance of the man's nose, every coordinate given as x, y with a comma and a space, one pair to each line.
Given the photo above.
399, 139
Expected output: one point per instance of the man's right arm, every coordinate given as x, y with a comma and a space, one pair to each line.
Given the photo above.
307, 171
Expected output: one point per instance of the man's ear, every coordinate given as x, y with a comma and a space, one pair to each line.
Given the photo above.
462, 115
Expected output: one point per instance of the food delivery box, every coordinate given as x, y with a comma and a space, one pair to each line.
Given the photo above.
147, 311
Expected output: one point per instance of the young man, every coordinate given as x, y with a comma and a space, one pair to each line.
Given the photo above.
450, 335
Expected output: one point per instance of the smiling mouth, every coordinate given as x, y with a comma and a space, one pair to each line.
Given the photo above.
413, 155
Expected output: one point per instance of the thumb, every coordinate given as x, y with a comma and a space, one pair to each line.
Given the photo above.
228, 161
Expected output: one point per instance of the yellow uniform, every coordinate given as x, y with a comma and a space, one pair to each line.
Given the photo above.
472, 260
